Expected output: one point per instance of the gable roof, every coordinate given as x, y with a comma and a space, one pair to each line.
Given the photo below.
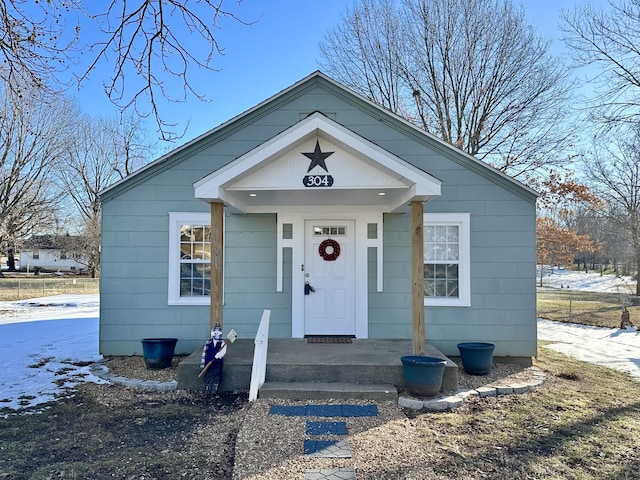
318, 79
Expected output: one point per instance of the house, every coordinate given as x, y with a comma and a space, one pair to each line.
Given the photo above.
45, 253
337, 215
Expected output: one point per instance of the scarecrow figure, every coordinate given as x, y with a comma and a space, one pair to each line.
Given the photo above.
625, 320
212, 360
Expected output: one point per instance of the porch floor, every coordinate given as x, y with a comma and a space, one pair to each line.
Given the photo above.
364, 362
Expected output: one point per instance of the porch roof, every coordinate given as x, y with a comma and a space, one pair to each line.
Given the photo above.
276, 173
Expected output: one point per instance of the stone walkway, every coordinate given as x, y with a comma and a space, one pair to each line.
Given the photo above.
337, 447
454, 400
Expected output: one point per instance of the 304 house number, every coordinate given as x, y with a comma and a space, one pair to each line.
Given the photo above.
317, 181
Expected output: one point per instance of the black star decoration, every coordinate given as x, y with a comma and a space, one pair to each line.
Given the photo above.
317, 158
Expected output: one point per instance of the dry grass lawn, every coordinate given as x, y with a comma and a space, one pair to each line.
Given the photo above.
597, 309
583, 423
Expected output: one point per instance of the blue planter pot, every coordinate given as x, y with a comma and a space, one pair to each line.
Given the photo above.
477, 357
158, 352
423, 375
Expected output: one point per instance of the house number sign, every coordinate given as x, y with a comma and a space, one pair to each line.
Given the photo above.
317, 181
317, 158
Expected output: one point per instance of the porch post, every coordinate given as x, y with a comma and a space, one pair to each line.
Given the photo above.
417, 274
217, 249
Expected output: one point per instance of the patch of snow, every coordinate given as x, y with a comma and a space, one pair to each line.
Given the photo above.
46, 351
586, 281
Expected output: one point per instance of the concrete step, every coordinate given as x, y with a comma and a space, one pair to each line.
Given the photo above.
328, 390
373, 362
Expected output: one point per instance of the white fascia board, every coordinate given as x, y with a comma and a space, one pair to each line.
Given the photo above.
212, 186
212, 183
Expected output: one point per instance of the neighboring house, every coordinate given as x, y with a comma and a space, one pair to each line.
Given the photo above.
42, 253
313, 204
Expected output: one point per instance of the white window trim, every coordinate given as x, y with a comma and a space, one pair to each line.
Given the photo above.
175, 220
463, 221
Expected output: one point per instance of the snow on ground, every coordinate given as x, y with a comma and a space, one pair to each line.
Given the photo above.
610, 347
40, 340
589, 281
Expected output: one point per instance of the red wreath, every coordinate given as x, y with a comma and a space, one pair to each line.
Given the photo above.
322, 249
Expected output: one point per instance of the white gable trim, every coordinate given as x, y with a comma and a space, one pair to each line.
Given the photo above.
222, 185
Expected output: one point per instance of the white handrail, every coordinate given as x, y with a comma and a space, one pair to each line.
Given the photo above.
259, 368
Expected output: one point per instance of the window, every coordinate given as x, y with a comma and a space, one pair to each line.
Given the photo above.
446, 259
36, 255
189, 258
323, 231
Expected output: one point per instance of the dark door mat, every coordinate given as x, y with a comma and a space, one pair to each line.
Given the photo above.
330, 339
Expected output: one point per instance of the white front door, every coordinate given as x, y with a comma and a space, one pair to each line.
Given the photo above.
329, 270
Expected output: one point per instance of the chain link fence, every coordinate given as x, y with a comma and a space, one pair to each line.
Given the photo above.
22, 288
589, 308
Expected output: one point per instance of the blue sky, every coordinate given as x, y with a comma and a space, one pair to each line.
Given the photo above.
281, 48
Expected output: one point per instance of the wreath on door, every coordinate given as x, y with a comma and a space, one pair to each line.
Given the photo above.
329, 249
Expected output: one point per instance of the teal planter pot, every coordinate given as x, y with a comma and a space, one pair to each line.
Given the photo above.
158, 352
477, 357
423, 375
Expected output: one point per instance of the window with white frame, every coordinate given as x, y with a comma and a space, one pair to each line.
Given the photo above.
446, 259
189, 258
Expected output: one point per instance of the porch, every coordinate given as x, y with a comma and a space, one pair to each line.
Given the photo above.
296, 369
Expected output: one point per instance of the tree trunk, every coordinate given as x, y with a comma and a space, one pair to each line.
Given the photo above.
541, 274
637, 279
11, 260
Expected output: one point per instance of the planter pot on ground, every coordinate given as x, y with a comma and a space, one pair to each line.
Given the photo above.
423, 375
477, 357
158, 352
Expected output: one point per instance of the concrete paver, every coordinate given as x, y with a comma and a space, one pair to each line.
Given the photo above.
327, 448
326, 428
347, 473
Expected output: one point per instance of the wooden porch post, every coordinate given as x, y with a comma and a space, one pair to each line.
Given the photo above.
217, 249
417, 276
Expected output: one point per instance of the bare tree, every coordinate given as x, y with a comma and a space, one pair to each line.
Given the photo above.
362, 52
102, 151
34, 129
610, 40
149, 42
472, 72
614, 170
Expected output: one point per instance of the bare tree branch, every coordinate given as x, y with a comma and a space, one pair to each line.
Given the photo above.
36, 41
150, 37
154, 44
471, 72
609, 40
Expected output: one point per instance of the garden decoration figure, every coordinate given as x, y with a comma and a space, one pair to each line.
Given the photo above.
625, 320
212, 359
